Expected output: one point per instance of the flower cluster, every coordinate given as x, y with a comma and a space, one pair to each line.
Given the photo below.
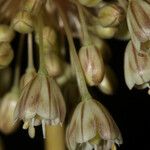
44, 25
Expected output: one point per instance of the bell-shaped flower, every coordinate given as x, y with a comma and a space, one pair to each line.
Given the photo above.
41, 102
136, 66
92, 127
138, 18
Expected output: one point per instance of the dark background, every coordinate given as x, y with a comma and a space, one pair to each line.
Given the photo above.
130, 110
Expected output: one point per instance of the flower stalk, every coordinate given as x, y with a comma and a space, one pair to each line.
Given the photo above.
86, 38
74, 58
30, 52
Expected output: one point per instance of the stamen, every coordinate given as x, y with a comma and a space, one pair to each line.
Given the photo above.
31, 131
43, 128
32, 123
25, 125
95, 147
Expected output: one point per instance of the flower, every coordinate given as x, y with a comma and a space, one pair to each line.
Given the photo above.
136, 66
92, 125
138, 18
41, 102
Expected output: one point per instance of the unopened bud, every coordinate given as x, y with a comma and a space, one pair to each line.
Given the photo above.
89, 3
109, 83
6, 33
33, 6
92, 64
6, 54
111, 15
49, 38
103, 32
53, 64
23, 22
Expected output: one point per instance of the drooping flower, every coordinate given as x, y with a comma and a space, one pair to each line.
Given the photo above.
138, 18
136, 66
92, 126
41, 102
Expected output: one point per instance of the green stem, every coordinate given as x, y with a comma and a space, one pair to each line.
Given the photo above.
74, 58
30, 52
86, 38
18, 61
42, 68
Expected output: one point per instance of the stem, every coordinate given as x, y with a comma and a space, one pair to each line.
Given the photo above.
55, 138
18, 62
74, 58
42, 68
30, 52
86, 38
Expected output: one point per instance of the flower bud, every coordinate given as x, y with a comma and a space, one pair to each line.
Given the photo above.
49, 38
103, 48
136, 66
109, 83
103, 32
139, 24
6, 55
111, 15
6, 33
89, 3
23, 22
53, 64
27, 77
33, 6
92, 64
7, 107
91, 123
